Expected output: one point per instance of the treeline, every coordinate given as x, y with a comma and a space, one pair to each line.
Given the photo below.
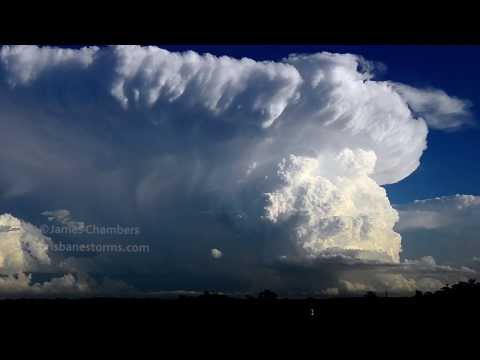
462, 289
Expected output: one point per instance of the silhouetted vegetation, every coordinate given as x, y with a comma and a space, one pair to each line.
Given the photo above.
267, 295
455, 300
464, 289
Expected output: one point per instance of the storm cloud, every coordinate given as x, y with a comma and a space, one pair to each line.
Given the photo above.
264, 160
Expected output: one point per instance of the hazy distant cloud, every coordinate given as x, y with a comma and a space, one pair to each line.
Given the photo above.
445, 211
21, 285
447, 226
64, 217
439, 110
351, 276
394, 284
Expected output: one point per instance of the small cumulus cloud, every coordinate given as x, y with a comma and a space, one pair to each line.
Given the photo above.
216, 253
64, 217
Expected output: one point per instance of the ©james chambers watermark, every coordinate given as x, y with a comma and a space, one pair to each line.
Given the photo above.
66, 226
100, 248
90, 229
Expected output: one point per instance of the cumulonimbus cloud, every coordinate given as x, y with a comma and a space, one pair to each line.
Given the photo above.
304, 143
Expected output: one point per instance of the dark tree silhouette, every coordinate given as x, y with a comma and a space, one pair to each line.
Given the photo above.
463, 289
267, 295
418, 294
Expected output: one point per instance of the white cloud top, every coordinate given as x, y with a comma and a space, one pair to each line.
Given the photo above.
336, 205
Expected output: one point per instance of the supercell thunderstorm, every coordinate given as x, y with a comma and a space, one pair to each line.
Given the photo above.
305, 143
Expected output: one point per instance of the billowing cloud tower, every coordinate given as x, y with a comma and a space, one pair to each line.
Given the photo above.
336, 205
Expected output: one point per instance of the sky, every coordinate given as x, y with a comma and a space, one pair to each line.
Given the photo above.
325, 170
